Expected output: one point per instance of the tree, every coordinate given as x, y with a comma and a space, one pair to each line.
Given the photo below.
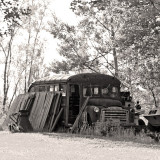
129, 30
90, 41
28, 63
139, 42
33, 46
11, 13
11, 18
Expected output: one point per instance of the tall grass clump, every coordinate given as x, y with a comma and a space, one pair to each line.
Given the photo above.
119, 133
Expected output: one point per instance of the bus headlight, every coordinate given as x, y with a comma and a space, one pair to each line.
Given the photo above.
96, 109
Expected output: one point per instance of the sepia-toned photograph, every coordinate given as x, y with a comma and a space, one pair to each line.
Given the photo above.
79, 79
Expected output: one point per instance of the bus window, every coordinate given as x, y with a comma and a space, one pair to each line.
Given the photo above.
114, 89
72, 89
96, 91
56, 88
114, 92
105, 91
51, 88
86, 91
41, 88
63, 89
47, 88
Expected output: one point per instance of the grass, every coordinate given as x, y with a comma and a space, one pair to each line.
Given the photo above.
115, 133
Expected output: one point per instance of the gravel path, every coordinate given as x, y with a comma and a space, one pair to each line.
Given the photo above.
37, 146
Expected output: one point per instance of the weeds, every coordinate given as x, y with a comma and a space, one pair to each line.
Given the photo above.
115, 133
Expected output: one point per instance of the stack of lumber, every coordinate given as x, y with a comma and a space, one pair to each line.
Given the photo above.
41, 106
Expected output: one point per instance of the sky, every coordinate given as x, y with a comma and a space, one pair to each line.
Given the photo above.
62, 11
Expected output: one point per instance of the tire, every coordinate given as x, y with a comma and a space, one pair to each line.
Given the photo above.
141, 122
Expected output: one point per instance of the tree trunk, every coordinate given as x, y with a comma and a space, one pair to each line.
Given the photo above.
114, 49
115, 62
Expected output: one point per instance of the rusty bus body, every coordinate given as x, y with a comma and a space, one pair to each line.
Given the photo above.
106, 102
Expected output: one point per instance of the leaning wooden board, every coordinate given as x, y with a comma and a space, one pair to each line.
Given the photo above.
40, 110
47, 105
18, 104
34, 109
56, 106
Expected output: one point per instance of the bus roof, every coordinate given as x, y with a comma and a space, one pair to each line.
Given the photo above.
87, 78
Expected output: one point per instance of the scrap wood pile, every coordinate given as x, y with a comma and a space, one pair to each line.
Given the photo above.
34, 112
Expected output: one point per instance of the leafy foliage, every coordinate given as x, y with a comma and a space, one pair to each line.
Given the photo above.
127, 30
11, 13
23, 60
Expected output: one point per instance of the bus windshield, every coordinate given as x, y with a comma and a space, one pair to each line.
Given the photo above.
103, 91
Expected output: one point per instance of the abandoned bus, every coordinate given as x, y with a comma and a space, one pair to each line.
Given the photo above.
106, 102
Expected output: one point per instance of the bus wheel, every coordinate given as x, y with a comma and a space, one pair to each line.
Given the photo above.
141, 122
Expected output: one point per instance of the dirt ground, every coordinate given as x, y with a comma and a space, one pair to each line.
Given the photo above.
39, 146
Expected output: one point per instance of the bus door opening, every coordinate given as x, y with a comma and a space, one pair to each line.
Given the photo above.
74, 102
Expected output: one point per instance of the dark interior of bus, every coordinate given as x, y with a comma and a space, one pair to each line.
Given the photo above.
74, 100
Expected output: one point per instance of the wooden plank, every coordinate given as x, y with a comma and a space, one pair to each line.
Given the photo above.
54, 111
49, 117
56, 120
14, 105
33, 110
38, 110
24, 101
20, 100
11, 110
46, 109
79, 115
27, 100
58, 105
30, 101
43, 111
